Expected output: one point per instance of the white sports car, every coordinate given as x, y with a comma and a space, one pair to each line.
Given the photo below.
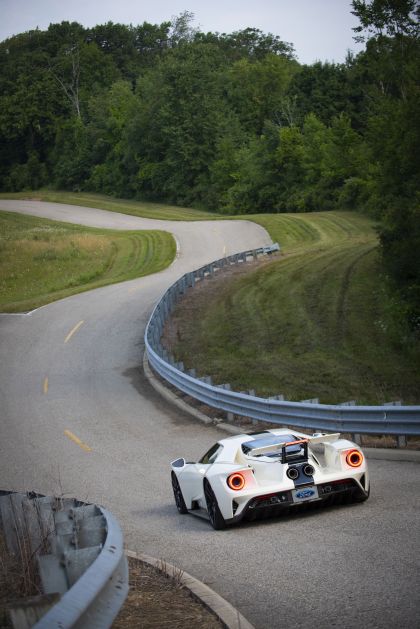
261, 474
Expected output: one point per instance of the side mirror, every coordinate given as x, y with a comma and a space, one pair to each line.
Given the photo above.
178, 463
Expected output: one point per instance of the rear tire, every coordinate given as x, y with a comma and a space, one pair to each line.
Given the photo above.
179, 498
216, 519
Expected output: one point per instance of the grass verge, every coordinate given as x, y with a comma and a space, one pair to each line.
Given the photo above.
42, 260
314, 323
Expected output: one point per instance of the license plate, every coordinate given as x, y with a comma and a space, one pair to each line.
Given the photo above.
304, 494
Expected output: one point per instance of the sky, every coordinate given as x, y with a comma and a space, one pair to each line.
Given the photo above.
320, 30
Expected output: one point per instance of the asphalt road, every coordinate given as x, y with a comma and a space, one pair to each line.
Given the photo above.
79, 418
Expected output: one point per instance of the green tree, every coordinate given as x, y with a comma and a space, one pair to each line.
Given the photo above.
256, 90
109, 115
180, 115
323, 89
393, 135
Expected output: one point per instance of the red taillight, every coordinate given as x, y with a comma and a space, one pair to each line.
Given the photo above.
236, 481
354, 458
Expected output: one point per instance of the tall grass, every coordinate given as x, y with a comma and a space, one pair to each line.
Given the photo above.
41, 260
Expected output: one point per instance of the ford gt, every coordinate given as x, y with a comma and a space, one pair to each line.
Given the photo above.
260, 474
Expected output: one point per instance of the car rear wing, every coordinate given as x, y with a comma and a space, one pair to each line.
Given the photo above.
296, 453
324, 438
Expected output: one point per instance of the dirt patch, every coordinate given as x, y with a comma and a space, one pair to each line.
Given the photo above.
155, 600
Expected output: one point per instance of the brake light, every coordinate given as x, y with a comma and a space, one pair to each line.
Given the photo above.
236, 481
354, 458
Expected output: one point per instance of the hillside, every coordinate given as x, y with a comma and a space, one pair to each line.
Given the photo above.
315, 322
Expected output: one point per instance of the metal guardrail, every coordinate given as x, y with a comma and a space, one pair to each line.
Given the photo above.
388, 419
80, 560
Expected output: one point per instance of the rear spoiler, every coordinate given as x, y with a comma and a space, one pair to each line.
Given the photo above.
282, 445
275, 446
324, 438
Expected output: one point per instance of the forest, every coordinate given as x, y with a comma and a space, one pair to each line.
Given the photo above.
230, 123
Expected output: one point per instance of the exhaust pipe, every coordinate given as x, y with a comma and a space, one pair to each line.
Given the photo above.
292, 473
308, 469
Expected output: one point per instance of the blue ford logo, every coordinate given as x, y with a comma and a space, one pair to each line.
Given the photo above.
305, 493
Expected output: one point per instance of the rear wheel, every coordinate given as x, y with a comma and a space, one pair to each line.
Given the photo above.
215, 515
179, 498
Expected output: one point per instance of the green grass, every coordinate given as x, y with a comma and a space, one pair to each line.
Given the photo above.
314, 323
42, 260
317, 322
299, 232
124, 206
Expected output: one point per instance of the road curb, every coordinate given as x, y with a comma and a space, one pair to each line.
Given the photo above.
172, 397
383, 454
228, 615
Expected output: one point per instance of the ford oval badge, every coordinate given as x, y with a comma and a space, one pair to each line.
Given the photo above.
305, 493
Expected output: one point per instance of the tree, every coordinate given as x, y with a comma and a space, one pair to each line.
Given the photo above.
393, 134
393, 17
322, 89
256, 89
177, 123
109, 115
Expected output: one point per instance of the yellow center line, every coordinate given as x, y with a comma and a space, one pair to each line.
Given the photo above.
73, 331
46, 385
80, 443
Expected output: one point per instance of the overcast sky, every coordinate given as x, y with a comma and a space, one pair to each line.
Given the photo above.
318, 29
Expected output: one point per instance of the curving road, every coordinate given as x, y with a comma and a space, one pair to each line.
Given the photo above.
78, 417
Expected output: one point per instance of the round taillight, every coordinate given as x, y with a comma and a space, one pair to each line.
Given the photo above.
236, 481
354, 458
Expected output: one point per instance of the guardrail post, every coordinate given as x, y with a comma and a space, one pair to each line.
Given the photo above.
313, 400
252, 393
192, 372
229, 414
356, 437
401, 439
